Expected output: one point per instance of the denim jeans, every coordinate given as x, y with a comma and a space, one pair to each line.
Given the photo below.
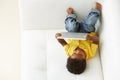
85, 26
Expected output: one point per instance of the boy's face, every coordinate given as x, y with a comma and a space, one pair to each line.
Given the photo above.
78, 54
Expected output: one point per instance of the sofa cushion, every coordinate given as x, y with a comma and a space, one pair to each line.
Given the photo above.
33, 57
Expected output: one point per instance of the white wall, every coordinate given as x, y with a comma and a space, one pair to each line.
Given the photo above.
9, 40
110, 40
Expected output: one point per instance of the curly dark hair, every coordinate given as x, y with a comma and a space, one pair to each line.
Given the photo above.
76, 66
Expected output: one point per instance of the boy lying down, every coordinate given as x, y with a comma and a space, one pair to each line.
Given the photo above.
78, 51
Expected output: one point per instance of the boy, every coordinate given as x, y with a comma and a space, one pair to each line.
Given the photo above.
78, 51
85, 26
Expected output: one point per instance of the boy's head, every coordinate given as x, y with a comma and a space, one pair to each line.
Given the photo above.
76, 63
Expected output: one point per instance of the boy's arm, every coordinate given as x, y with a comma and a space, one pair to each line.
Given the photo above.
61, 41
95, 39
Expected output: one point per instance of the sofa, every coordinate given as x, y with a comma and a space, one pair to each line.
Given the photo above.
43, 58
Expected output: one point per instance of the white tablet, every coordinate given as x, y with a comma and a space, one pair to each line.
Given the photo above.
73, 35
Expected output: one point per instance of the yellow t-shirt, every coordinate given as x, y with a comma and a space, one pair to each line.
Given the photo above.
87, 45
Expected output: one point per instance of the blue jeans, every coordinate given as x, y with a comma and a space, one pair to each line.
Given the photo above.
85, 26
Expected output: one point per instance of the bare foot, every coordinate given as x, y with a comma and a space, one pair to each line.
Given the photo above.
98, 6
70, 11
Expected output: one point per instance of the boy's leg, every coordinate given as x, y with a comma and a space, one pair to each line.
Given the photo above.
71, 24
89, 23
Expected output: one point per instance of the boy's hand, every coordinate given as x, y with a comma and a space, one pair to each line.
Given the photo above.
61, 41
95, 39
57, 35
